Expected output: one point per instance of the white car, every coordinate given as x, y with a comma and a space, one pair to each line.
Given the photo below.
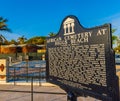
117, 58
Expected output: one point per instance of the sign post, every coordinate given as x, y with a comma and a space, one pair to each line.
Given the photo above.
81, 61
71, 97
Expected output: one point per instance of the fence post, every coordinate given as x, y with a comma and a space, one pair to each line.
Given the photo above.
39, 76
31, 88
14, 75
27, 69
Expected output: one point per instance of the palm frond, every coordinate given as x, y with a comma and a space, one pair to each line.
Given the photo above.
3, 25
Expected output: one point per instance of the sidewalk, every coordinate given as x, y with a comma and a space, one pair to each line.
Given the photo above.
43, 96
43, 93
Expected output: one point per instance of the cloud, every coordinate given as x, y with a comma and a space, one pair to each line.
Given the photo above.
9, 35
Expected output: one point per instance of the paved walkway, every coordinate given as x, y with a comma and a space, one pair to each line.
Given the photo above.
45, 95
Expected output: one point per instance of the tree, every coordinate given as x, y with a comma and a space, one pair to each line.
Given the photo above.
114, 37
21, 40
36, 40
117, 49
3, 25
116, 40
12, 42
2, 39
51, 34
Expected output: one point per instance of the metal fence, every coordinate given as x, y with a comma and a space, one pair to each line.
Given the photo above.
26, 74
31, 79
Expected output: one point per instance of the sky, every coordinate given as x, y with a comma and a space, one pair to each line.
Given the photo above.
40, 17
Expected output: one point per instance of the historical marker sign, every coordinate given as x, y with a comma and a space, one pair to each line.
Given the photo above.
81, 60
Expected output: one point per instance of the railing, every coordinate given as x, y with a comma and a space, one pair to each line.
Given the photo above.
24, 74
31, 80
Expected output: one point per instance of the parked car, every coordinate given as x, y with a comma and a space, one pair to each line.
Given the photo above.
117, 58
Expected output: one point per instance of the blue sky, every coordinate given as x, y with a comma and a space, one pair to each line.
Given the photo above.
40, 17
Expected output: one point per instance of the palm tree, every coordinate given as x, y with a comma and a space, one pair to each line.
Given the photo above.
12, 42
114, 37
22, 39
118, 42
2, 39
51, 34
3, 25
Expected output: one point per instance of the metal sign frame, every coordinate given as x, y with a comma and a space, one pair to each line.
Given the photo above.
87, 53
